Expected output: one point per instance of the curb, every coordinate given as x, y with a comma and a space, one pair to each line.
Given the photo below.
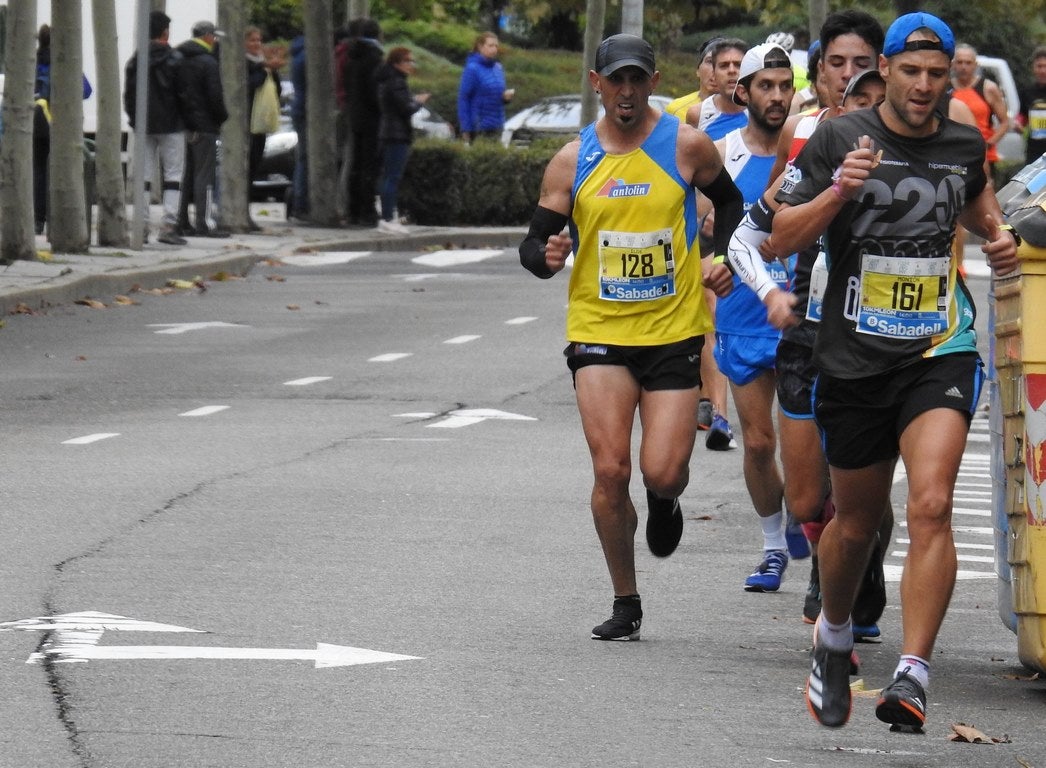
104, 286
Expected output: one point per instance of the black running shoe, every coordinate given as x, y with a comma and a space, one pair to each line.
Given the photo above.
623, 623
903, 702
812, 602
871, 595
828, 686
664, 525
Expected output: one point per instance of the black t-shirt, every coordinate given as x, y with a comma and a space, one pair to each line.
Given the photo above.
1033, 107
893, 294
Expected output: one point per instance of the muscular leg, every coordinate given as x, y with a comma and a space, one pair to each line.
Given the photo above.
805, 470
931, 448
754, 404
860, 497
669, 420
607, 398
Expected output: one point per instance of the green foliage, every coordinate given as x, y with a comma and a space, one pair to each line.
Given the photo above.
279, 19
485, 184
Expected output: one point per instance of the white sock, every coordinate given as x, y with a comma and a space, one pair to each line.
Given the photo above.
914, 667
838, 637
773, 532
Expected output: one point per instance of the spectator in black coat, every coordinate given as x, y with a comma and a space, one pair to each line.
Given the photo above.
203, 101
364, 59
395, 132
164, 127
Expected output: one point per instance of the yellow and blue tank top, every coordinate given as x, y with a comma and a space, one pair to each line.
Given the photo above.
637, 272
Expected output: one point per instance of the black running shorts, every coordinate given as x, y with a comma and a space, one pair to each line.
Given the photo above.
665, 366
795, 379
861, 420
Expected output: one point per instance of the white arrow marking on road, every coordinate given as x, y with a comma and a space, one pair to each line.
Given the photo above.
389, 357
173, 328
468, 417
456, 257
206, 410
75, 638
324, 655
90, 438
306, 381
323, 259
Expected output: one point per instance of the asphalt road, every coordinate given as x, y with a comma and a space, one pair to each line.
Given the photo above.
382, 452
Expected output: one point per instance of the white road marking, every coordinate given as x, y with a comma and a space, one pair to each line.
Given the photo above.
520, 320
893, 574
456, 257
90, 438
417, 415
324, 655
389, 357
462, 339
468, 417
323, 259
306, 381
206, 410
173, 328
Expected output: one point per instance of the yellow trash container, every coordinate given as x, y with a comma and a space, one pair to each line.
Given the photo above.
1020, 363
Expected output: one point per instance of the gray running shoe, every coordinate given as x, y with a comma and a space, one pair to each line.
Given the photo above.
828, 686
903, 703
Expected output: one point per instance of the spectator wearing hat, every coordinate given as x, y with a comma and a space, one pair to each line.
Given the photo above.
203, 102
899, 375
636, 312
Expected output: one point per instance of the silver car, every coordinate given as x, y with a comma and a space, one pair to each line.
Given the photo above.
553, 117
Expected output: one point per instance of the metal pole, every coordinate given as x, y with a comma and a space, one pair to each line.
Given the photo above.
141, 95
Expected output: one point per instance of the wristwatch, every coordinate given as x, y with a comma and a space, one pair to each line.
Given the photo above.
1009, 228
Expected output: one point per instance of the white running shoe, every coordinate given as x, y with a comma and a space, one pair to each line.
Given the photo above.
392, 227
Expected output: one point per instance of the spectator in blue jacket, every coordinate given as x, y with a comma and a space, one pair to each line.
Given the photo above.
482, 95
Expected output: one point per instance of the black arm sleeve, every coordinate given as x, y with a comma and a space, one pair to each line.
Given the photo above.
543, 224
729, 208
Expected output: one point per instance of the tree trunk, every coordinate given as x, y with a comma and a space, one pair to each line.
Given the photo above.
632, 17
595, 15
16, 150
818, 12
357, 9
108, 170
234, 182
67, 217
320, 112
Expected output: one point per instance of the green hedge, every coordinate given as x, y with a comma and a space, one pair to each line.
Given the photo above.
449, 183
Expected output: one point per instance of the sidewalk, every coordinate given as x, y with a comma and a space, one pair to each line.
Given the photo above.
104, 273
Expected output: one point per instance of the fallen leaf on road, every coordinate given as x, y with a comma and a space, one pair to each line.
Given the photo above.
293, 306
270, 262
124, 301
80, 358
1022, 678
22, 309
92, 303
276, 278
43, 255
967, 734
183, 284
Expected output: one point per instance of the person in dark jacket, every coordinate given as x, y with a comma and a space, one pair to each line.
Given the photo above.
361, 98
482, 95
164, 127
394, 131
203, 102
299, 206
261, 66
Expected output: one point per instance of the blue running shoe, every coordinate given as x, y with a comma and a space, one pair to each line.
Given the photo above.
720, 437
866, 633
767, 577
798, 546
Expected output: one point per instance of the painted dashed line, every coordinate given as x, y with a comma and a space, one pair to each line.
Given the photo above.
520, 320
90, 438
206, 410
306, 381
462, 339
389, 357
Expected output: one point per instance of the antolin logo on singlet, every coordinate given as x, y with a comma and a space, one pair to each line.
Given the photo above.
619, 188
